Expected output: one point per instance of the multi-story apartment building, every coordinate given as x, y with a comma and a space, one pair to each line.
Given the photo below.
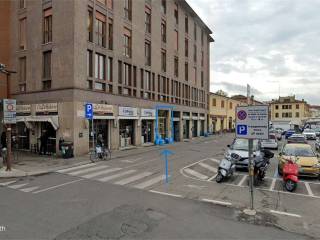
222, 110
124, 56
290, 110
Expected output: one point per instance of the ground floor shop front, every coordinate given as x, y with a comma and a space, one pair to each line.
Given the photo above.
41, 128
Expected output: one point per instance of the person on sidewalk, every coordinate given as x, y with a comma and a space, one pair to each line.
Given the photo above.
43, 143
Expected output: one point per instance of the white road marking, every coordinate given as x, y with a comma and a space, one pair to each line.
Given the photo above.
133, 178
308, 189
95, 174
167, 194
88, 170
105, 179
195, 186
285, 213
131, 160
17, 186
150, 182
76, 168
30, 189
57, 186
273, 183
217, 202
212, 169
213, 177
7, 183
196, 174
214, 160
242, 180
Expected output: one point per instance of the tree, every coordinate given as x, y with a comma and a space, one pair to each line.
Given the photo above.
222, 93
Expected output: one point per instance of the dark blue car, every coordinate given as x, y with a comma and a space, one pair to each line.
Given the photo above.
289, 133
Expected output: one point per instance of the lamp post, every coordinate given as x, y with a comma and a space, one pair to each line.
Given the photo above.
8, 126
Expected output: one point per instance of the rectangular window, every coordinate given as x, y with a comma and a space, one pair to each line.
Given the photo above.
90, 25
147, 80
89, 63
297, 106
163, 60
127, 42
147, 19
186, 47
110, 34
186, 71
109, 70
163, 31
195, 53
202, 34
22, 69
297, 114
176, 40
195, 31
163, 6
46, 65
202, 59
47, 26
100, 66
46, 85
22, 87
277, 106
128, 9
176, 13
100, 29
195, 74
110, 4
147, 53
214, 102
120, 72
202, 80
186, 24
22, 34
222, 104
176, 66
22, 4
127, 74
230, 105
277, 115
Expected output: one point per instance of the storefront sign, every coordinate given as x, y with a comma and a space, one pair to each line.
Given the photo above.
128, 111
102, 109
47, 107
23, 110
9, 111
148, 112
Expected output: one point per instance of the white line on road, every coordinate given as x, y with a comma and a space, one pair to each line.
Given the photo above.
285, 213
273, 183
213, 177
57, 186
95, 174
131, 160
196, 174
17, 186
214, 160
150, 182
308, 189
167, 194
133, 178
242, 180
217, 202
212, 169
87, 170
30, 189
105, 179
76, 168
7, 183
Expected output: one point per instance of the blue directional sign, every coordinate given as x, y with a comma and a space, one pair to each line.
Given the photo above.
89, 111
165, 154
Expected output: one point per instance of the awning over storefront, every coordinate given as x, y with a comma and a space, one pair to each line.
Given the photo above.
103, 117
54, 120
148, 118
127, 117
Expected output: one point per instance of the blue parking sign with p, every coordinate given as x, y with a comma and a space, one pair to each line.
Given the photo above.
242, 129
89, 111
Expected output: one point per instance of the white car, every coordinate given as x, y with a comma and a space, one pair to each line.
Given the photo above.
310, 134
271, 143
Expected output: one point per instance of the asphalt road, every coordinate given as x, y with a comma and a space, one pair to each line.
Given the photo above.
125, 198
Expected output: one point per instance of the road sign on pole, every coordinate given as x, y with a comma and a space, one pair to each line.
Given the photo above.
165, 154
9, 111
89, 111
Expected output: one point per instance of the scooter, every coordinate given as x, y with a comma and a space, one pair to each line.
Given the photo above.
290, 175
227, 167
261, 165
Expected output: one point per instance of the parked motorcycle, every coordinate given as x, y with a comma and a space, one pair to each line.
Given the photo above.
227, 167
261, 165
290, 175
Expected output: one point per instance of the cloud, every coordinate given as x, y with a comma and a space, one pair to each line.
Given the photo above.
266, 44
237, 88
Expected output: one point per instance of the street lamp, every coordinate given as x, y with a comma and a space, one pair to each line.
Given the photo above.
8, 126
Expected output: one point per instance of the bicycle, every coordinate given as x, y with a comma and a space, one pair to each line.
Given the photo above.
100, 153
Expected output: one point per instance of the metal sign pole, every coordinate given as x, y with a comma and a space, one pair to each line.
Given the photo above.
92, 134
8, 132
251, 172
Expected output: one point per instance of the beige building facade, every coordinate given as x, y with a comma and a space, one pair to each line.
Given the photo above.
126, 57
289, 109
222, 112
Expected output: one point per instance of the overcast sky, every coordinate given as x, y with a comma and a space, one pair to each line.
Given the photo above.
270, 44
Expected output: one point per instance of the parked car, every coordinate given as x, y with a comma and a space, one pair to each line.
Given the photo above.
310, 134
317, 144
303, 155
277, 133
289, 133
317, 130
271, 143
297, 138
280, 130
241, 148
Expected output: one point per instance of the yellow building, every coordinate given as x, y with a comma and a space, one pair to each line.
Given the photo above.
222, 110
289, 109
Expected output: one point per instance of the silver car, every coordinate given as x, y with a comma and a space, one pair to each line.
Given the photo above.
241, 148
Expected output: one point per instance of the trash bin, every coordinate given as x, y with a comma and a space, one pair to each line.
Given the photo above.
67, 149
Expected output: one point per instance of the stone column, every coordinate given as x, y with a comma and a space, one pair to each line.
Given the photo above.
137, 132
181, 126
